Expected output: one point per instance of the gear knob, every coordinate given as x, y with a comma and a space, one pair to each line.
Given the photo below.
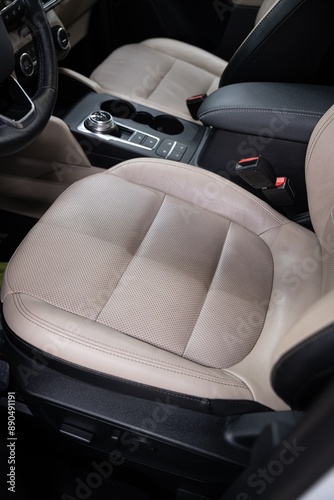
102, 122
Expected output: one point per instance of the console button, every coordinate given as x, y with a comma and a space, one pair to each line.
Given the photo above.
163, 151
180, 147
165, 148
168, 143
138, 138
150, 142
176, 155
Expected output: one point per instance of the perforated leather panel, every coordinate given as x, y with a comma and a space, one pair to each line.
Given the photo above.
153, 267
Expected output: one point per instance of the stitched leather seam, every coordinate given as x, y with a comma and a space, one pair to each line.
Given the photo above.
209, 288
162, 79
133, 256
261, 110
157, 390
177, 58
30, 317
210, 176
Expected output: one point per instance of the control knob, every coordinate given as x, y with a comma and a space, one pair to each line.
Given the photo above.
102, 122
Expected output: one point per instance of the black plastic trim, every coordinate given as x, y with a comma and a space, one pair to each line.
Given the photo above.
283, 111
130, 388
302, 372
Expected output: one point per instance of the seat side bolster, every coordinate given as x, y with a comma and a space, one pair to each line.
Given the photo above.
317, 318
304, 359
296, 287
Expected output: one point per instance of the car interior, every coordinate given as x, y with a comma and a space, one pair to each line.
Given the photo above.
166, 249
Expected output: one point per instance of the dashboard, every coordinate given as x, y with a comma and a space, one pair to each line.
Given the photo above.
12, 14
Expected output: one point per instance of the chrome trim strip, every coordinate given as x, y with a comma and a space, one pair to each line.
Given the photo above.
111, 138
50, 4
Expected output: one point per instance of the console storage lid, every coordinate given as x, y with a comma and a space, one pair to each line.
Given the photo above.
282, 110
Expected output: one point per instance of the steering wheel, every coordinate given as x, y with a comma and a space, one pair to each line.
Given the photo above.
23, 118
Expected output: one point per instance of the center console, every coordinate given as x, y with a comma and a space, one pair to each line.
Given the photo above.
111, 130
238, 121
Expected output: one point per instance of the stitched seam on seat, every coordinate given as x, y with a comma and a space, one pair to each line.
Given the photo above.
206, 297
206, 400
162, 79
57, 330
170, 69
203, 173
182, 60
133, 256
104, 351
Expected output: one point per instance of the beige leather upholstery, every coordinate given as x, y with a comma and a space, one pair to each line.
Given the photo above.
162, 73
170, 276
266, 6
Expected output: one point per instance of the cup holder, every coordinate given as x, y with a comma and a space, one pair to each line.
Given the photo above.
168, 125
144, 119
162, 123
119, 109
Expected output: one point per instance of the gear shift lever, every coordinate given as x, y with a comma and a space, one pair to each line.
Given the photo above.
102, 122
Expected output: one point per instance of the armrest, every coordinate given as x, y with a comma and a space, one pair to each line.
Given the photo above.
278, 110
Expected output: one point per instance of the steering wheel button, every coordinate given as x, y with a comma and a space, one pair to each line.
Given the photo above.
27, 64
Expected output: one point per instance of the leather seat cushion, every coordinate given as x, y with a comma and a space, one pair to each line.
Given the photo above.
160, 73
161, 272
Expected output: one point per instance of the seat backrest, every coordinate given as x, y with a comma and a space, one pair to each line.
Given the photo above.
293, 42
304, 360
264, 9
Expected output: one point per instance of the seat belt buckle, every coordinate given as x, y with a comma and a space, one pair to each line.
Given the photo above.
259, 174
194, 103
282, 195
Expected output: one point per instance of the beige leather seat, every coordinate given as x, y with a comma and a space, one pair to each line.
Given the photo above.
162, 73
174, 279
